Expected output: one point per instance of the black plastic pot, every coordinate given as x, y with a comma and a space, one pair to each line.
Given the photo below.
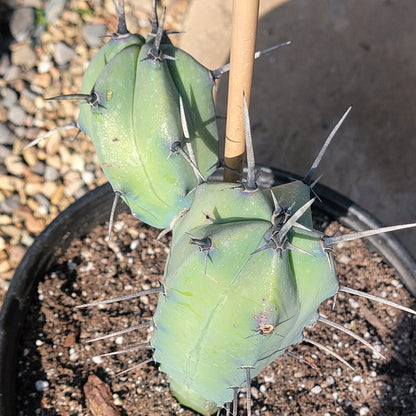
94, 208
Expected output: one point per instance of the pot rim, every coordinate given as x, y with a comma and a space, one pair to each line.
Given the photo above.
81, 216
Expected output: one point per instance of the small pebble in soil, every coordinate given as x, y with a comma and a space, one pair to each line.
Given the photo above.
316, 389
41, 385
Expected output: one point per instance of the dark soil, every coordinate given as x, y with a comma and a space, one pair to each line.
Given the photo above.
55, 361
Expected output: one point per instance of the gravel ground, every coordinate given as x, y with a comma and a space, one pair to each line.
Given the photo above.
38, 183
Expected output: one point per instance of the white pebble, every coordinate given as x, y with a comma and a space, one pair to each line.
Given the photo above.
134, 244
74, 357
117, 400
41, 385
119, 340
97, 360
354, 304
364, 411
357, 379
87, 177
39, 343
44, 66
316, 389
269, 379
330, 380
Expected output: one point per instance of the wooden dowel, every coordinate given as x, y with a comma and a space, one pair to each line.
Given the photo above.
243, 42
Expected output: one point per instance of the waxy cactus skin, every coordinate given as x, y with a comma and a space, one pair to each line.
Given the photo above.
245, 301
133, 116
115, 45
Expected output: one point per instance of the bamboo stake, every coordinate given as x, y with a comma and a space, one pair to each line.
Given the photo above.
243, 41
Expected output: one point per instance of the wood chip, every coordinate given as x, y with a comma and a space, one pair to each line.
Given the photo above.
98, 398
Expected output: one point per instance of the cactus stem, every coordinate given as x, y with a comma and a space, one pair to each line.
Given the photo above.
251, 164
144, 345
149, 360
117, 195
51, 133
216, 73
321, 153
331, 241
121, 332
301, 359
376, 299
351, 334
158, 289
328, 351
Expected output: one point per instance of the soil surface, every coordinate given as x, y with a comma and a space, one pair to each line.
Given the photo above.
57, 374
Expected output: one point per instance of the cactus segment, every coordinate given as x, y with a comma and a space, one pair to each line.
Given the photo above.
152, 148
213, 322
159, 187
243, 269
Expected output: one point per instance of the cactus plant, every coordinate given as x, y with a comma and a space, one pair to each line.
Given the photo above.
246, 271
